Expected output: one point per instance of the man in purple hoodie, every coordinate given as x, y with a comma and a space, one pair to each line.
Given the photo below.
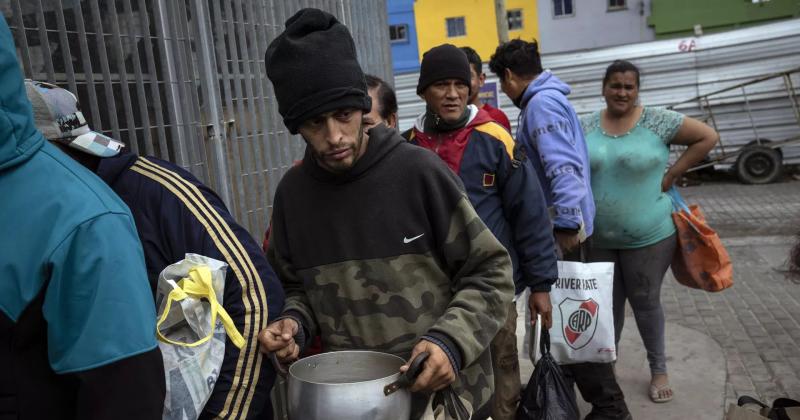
550, 131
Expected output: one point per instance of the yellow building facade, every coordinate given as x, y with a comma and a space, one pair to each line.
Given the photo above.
471, 23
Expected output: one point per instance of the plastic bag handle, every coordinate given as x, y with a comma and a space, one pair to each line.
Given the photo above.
746, 399
453, 407
785, 403
198, 285
678, 203
680, 208
544, 342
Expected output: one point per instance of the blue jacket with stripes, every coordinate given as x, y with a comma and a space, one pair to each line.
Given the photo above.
176, 214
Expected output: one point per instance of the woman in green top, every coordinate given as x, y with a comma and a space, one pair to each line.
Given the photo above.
628, 151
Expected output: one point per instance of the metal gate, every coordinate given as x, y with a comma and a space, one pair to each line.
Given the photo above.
184, 80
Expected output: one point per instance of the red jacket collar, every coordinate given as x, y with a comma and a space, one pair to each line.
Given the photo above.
450, 146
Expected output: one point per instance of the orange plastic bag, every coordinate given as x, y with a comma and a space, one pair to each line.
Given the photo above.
700, 260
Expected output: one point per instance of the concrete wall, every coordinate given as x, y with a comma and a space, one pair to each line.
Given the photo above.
405, 54
593, 26
480, 22
530, 17
672, 18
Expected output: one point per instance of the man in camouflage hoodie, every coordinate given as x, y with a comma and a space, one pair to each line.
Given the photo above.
374, 239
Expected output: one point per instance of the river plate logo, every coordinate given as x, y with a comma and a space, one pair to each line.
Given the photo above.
578, 321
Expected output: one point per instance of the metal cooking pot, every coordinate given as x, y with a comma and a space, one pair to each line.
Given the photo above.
347, 385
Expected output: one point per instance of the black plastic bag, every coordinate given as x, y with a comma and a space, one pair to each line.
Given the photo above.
782, 409
548, 396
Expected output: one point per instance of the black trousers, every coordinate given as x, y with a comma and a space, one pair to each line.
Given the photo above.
596, 381
598, 386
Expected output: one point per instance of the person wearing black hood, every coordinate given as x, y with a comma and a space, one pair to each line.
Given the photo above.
368, 262
77, 320
176, 214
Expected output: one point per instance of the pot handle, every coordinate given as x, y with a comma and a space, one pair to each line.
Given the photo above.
409, 376
279, 367
416, 367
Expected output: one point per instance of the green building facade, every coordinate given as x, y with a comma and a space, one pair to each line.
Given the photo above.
673, 18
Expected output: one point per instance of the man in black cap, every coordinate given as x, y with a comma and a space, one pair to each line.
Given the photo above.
368, 262
502, 185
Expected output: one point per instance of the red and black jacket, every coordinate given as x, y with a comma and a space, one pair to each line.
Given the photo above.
502, 186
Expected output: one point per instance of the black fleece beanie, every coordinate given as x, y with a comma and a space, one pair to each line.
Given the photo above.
443, 62
314, 70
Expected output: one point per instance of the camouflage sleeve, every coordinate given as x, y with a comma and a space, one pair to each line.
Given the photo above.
482, 284
297, 304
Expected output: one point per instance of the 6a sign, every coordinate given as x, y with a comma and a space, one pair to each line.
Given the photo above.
687, 45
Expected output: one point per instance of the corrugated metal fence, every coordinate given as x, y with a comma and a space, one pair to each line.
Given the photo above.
673, 71
185, 80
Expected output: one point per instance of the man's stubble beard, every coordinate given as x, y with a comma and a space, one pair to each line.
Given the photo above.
356, 149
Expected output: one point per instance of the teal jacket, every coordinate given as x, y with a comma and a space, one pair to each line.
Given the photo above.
77, 318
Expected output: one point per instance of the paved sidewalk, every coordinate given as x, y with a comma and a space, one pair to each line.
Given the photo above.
698, 396
748, 335
737, 210
697, 374
757, 321
741, 341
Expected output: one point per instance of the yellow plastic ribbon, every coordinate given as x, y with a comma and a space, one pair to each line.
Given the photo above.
198, 285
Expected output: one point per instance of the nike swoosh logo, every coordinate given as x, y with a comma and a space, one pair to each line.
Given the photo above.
409, 240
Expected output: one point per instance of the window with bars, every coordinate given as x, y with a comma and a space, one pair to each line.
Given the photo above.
616, 4
563, 8
514, 17
398, 33
456, 27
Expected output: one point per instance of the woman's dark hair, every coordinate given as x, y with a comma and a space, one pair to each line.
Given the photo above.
521, 57
620, 66
474, 59
385, 94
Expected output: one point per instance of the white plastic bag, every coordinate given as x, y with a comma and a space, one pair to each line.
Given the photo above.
583, 317
191, 332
